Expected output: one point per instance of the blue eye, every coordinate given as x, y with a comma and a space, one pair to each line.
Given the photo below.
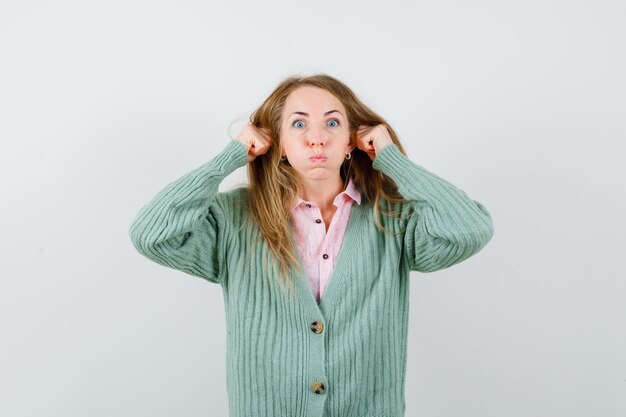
298, 123
336, 123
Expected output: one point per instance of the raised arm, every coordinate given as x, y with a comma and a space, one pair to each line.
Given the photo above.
184, 226
447, 227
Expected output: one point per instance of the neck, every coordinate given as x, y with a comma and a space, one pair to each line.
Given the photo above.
322, 192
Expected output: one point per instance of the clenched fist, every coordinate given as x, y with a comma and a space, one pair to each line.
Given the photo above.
372, 139
257, 141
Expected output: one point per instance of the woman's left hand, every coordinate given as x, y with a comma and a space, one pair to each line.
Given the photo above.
372, 139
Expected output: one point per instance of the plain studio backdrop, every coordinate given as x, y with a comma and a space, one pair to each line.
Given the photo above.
520, 104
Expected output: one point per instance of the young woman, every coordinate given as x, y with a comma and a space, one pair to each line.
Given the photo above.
335, 209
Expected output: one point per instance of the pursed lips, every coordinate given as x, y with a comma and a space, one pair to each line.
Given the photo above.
318, 157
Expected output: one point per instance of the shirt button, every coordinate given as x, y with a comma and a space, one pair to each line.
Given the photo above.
325, 256
317, 327
318, 221
317, 387
308, 205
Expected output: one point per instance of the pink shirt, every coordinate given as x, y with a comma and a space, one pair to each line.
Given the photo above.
319, 249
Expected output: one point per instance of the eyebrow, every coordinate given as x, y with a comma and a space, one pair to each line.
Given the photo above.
307, 114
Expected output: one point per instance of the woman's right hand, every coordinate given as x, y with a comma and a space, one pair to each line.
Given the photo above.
257, 141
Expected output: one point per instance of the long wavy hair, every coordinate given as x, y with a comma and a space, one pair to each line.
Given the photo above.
274, 184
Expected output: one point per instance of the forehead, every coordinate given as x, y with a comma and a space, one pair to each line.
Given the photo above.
312, 98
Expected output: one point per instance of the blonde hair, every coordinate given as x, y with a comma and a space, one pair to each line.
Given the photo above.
274, 184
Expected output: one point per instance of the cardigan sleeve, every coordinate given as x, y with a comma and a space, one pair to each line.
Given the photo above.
184, 225
447, 226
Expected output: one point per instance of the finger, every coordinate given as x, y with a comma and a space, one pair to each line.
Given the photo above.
261, 144
262, 147
362, 145
367, 143
263, 135
368, 136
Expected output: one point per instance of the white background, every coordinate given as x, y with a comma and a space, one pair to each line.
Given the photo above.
520, 104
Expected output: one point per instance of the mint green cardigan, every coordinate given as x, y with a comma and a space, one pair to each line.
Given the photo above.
344, 357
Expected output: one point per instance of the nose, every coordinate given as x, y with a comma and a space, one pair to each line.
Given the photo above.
316, 141
316, 137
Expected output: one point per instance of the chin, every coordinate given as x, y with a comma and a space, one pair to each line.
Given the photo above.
321, 174
318, 172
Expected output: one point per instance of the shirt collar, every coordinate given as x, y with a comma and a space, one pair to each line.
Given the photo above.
350, 192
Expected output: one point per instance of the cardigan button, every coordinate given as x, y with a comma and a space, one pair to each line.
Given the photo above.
325, 256
318, 221
317, 327
308, 205
317, 387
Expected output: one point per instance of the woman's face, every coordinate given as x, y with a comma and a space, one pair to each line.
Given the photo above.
314, 122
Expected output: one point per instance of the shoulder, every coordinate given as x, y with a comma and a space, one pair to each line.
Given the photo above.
392, 216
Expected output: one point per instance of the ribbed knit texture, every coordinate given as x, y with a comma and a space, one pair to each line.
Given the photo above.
273, 355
